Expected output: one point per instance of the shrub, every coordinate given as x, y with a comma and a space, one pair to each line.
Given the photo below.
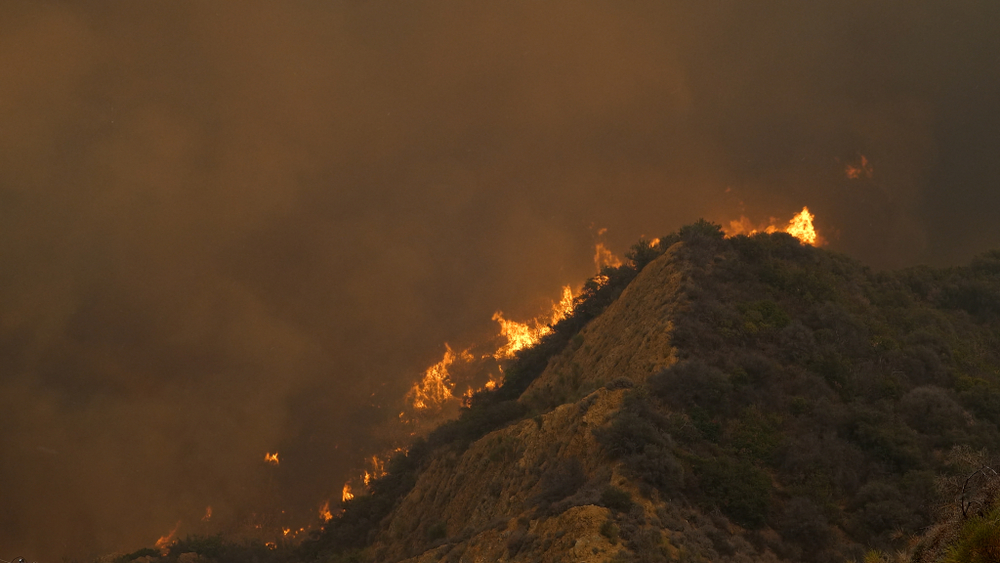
692, 383
561, 481
740, 490
616, 499
610, 531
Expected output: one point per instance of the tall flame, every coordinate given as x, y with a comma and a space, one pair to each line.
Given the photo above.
346, 494
800, 227
434, 389
208, 514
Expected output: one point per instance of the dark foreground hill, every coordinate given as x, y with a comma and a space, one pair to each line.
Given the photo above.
715, 399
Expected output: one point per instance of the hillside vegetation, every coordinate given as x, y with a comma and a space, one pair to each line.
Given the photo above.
723, 399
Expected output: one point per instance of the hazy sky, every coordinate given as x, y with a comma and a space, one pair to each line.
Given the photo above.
225, 226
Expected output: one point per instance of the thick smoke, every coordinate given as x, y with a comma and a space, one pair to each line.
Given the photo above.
233, 228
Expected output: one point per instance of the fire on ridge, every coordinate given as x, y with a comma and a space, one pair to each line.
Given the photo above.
800, 226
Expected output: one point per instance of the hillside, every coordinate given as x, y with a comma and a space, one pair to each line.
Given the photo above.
718, 399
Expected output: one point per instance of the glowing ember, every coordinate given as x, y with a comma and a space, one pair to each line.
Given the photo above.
286, 531
164, 542
860, 170
271, 545
346, 494
800, 227
324, 512
271, 458
208, 514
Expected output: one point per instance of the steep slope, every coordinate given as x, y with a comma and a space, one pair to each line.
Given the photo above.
789, 402
719, 399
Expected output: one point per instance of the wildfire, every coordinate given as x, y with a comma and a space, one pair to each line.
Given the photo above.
208, 514
800, 227
164, 542
604, 257
524, 335
377, 472
346, 494
271, 458
324, 512
435, 387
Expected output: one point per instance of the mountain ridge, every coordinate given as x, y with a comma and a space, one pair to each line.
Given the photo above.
725, 399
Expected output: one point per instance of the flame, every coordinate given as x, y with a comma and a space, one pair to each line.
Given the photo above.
271, 458
208, 514
435, 387
346, 494
285, 531
525, 335
604, 257
164, 542
861, 170
378, 470
800, 227
324, 512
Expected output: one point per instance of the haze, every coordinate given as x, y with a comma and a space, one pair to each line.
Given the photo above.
228, 229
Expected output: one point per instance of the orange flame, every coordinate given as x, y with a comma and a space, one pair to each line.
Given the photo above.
524, 335
604, 257
800, 227
271, 458
208, 514
164, 542
434, 389
377, 472
324, 512
346, 494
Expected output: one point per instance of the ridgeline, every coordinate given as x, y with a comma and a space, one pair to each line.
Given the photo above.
714, 399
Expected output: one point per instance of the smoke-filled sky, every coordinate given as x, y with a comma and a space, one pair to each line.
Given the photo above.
228, 228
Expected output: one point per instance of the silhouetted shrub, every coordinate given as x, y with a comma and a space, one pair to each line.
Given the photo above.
701, 230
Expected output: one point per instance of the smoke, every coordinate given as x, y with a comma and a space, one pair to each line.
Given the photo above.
229, 229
